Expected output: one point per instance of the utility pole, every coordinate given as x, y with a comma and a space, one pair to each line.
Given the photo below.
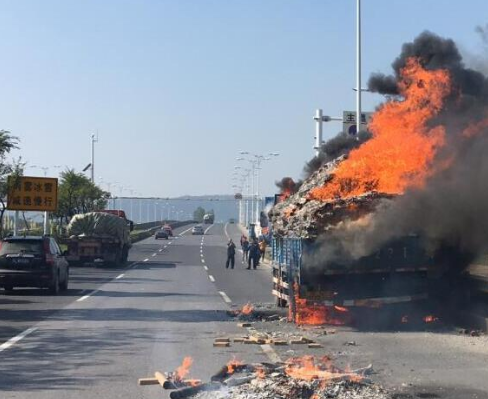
93, 141
358, 69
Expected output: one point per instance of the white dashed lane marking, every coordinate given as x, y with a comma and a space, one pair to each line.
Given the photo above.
211, 278
225, 297
12, 341
120, 276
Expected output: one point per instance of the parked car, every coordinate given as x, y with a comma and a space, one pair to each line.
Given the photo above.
161, 234
33, 262
168, 229
197, 230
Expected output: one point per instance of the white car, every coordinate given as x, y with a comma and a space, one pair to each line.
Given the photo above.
197, 230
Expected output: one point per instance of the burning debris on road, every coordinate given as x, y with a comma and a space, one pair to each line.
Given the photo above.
304, 377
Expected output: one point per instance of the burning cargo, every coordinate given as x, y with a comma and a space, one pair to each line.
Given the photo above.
314, 274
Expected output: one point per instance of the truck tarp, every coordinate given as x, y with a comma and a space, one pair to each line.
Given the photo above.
99, 224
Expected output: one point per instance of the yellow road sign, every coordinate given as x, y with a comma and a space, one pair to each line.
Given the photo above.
32, 194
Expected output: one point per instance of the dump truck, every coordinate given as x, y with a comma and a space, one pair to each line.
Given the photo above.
98, 238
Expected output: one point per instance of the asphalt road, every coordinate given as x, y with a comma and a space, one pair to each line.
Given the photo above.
115, 326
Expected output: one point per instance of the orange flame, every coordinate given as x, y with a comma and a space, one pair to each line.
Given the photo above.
310, 313
402, 148
247, 309
183, 370
309, 368
232, 365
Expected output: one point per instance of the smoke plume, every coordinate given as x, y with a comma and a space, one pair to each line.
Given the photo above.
288, 186
451, 209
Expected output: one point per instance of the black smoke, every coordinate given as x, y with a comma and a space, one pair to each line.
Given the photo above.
451, 212
288, 185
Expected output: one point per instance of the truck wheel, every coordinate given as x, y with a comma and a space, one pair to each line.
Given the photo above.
54, 287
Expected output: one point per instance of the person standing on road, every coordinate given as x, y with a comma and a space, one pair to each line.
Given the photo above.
253, 255
262, 248
245, 249
231, 255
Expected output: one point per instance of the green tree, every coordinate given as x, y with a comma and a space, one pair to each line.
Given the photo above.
77, 194
198, 214
14, 168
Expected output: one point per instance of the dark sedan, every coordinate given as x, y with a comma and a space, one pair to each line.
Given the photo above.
162, 233
33, 262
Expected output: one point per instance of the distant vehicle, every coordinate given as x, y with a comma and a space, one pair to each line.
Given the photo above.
197, 230
232, 221
161, 234
208, 218
168, 230
99, 238
33, 262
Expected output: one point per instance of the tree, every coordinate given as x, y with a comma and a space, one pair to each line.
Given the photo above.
77, 194
14, 168
198, 214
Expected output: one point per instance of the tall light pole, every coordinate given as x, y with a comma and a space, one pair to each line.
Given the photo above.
358, 68
94, 139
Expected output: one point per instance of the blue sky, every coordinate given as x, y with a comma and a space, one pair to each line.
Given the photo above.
177, 87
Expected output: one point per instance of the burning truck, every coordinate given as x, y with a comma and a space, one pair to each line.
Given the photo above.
400, 214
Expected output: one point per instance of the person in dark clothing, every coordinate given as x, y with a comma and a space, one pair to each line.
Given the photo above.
254, 255
231, 255
245, 250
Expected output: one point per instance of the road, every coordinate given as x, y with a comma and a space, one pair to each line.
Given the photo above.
115, 326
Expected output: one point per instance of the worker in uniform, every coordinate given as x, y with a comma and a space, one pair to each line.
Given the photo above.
245, 249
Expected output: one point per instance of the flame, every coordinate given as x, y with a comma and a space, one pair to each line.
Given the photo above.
430, 319
183, 370
310, 313
476, 128
247, 309
232, 365
400, 153
309, 368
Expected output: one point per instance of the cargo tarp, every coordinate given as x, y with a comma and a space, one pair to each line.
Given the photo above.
99, 224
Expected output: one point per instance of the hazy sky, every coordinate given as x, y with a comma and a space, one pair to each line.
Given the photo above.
177, 87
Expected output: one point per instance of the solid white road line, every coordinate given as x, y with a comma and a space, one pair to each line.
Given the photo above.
183, 232
225, 231
225, 297
120, 276
17, 338
206, 268
208, 229
211, 278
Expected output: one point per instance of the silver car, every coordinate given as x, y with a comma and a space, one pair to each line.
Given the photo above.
197, 230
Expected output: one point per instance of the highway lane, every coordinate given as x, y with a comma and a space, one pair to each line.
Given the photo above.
25, 306
240, 285
159, 310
